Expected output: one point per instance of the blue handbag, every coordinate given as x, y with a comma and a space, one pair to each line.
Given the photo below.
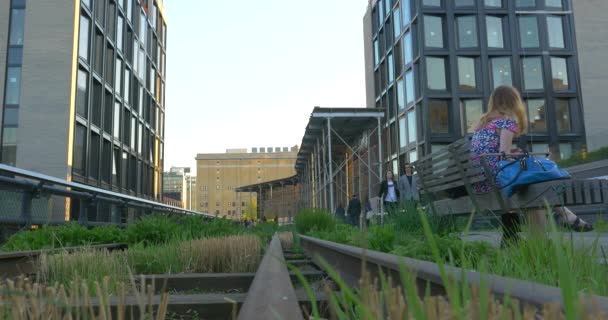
513, 174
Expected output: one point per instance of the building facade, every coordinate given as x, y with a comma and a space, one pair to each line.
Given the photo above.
176, 186
432, 64
219, 174
591, 23
82, 86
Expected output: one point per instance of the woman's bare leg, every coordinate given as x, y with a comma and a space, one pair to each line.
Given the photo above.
538, 221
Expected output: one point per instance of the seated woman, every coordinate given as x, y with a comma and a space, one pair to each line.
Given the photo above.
505, 119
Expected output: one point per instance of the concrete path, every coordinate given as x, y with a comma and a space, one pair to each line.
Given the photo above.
579, 238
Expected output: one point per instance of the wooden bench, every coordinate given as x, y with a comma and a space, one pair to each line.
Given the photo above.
446, 178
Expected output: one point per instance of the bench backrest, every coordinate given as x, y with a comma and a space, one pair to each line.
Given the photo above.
448, 168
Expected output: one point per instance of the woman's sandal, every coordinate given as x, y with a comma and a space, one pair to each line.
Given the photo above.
578, 226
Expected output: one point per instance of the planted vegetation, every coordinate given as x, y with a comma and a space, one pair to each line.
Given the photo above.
534, 259
550, 260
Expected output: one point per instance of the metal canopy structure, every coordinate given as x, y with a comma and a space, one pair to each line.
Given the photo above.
264, 193
330, 136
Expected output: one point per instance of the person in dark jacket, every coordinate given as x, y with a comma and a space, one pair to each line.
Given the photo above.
354, 210
389, 193
340, 214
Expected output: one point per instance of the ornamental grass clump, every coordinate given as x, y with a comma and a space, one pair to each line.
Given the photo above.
230, 254
23, 299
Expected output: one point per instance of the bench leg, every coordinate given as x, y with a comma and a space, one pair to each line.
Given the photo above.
511, 225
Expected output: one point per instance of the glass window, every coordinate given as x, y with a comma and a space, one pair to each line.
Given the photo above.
107, 113
408, 56
537, 115
400, 94
410, 94
127, 90
133, 130
528, 32
381, 11
406, 13
99, 49
17, 27
495, 34
396, 23
391, 70
467, 31
15, 55
96, 103
109, 74
9, 155
118, 78
431, 3
111, 27
139, 137
556, 33
129, 9
402, 132
80, 149
117, 112
83, 43
94, 156
533, 73
553, 3
13, 85
412, 137
11, 116
525, 3
466, 74
464, 3
413, 155
562, 116
435, 73
472, 111
493, 3
126, 126
387, 7
87, 3
376, 53
119, 32
501, 72
559, 72
100, 11
433, 32
10, 136
106, 160
565, 150
82, 95
439, 116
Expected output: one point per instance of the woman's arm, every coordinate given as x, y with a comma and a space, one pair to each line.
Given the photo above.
506, 140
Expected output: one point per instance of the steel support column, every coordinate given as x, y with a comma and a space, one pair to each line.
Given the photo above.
380, 162
324, 172
331, 171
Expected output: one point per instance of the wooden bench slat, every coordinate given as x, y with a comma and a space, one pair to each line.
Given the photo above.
452, 185
604, 186
587, 192
453, 171
596, 191
470, 174
578, 193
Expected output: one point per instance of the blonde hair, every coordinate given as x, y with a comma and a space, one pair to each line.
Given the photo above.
505, 101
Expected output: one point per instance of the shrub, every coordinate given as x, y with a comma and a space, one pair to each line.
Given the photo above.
154, 229
308, 219
381, 238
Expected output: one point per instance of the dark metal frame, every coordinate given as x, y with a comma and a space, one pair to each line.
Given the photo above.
482, 55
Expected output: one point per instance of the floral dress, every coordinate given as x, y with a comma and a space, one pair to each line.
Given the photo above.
487, 140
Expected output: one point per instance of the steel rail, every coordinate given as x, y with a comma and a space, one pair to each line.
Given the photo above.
348, 260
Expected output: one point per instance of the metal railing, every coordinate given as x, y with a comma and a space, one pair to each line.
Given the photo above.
28, 198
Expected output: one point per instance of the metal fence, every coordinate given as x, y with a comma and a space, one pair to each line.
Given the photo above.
30, 198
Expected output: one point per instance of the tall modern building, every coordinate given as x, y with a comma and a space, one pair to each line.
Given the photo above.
219, 174
82, 86
176, 186
591, 23
432, 64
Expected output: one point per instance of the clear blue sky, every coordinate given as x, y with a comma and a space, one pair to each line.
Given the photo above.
243, 73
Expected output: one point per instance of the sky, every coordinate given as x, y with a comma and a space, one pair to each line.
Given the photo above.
244, 73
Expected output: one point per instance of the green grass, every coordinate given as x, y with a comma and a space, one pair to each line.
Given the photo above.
534, 259
550, 259
149, 230
600, 154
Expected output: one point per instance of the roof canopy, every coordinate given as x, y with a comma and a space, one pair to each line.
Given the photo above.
289, 181
348, 123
